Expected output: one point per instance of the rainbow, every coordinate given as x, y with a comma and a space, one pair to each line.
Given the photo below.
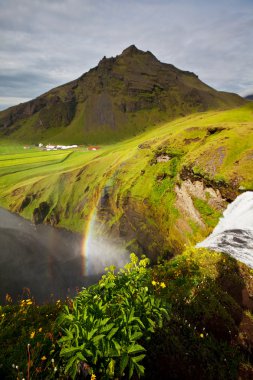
86, 244
90, 228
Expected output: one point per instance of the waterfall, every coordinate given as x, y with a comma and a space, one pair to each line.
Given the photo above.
234, 232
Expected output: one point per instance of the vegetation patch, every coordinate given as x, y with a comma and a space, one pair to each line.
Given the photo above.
181, 317
111, 334
208, 214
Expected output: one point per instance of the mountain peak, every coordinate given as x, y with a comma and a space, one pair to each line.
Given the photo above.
127, 54
131, 50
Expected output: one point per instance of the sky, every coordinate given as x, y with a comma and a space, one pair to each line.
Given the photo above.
45, 43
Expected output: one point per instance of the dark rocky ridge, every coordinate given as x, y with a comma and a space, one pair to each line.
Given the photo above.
118, 98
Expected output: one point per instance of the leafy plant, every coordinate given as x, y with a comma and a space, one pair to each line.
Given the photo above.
105, 330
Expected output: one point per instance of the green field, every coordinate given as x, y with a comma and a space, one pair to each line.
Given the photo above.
216, 145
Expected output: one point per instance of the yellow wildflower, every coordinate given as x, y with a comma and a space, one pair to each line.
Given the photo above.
134, 259
201, 335
154, 282
40, 329
29, 302
43, 358
93, 377
163, 285
32, 334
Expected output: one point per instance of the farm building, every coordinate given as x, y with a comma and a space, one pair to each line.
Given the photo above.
93, 147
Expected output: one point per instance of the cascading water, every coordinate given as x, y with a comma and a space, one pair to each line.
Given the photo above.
234, 232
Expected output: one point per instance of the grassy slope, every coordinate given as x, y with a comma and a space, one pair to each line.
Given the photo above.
73, 182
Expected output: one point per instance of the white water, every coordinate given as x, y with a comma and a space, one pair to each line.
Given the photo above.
234, 232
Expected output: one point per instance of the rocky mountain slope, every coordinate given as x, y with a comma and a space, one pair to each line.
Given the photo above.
119, 98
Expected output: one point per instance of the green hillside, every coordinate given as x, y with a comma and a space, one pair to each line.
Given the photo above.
118, 99
156, 191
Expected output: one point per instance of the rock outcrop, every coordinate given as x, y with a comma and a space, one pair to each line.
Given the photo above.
40, 213
189, 190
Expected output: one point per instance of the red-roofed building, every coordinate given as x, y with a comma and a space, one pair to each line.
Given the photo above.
93, 147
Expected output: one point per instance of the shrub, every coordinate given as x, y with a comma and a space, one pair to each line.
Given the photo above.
105, 331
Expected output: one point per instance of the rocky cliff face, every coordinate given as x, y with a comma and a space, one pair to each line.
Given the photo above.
120, 97
146, 228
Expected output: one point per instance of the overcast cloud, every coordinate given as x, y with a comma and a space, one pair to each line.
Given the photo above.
47, 43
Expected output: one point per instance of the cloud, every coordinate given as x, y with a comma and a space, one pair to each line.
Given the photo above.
9, 101
45, 44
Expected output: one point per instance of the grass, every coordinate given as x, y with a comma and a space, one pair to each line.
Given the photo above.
130, 170
209, 215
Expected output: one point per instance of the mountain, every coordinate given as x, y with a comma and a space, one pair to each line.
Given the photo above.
249, 97
119, 98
